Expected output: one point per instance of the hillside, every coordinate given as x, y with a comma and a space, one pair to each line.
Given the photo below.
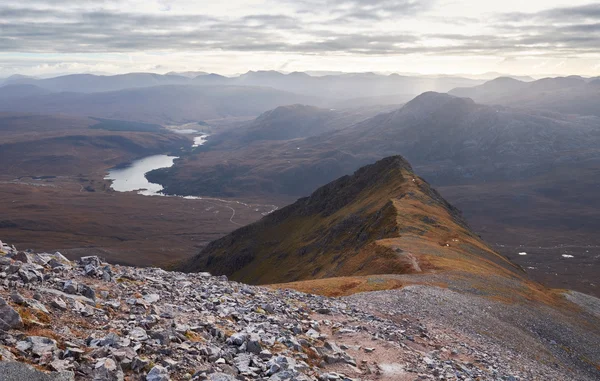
383, 219
522, 177
291, 122
450, 140
60, 145
53, 195
165, 104
92, 320
570, 95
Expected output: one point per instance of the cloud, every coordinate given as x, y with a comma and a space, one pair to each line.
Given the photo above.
354, 27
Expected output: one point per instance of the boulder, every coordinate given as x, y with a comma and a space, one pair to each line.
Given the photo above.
71, 287
107, 369
91, 260
9, 318
158, 373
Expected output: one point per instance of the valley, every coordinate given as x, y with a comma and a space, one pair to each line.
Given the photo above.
235, 168
54, 194
340, 190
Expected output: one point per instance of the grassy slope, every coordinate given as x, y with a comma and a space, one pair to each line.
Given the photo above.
381, 220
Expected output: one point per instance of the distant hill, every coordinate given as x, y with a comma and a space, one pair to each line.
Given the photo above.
13, 92
187, 74
574, 94
383, 219
158, 104
90, 83
332, 87
59, 145
291, 122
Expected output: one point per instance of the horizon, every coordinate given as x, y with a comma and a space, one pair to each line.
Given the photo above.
484, 76
425, 37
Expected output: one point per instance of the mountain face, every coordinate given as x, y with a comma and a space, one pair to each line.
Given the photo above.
571, 95
282, 123
383, 219
291, 122
524, 178
450, 140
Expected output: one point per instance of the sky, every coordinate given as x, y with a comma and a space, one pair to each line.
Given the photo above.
519, 37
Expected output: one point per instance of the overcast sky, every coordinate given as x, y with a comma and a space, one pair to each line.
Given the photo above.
536, 37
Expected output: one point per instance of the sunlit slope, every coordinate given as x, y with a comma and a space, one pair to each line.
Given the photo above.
383, 219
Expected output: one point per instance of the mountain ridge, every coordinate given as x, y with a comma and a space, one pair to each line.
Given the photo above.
383, 219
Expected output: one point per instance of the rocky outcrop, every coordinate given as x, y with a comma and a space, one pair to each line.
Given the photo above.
154, 325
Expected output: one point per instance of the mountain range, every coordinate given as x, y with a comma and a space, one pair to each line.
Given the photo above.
571, 95
329, 86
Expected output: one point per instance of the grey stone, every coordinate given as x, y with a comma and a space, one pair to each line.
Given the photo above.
138, 364
151, 298
220, 377
158, 373
42, 346
71, 287
87, 291
59, 303
9, 318
138, 334
253, 344
107, 369
22, 257
90, 270
238, 338
16, 371
90, 260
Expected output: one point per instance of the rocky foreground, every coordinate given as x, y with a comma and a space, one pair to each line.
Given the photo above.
89, 320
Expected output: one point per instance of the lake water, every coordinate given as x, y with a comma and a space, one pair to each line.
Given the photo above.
133, 177
199, 140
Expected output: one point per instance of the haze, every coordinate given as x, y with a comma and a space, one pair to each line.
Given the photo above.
537, 38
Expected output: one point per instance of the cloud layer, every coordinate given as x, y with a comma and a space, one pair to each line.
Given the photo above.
297, 27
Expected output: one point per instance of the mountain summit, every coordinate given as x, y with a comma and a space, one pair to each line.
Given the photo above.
383, 219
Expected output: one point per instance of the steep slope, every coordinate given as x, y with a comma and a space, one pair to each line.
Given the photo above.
381, 220
572, 95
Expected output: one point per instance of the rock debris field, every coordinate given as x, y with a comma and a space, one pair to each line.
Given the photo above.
89, 320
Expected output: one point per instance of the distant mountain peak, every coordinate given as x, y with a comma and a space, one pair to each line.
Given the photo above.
432, 101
